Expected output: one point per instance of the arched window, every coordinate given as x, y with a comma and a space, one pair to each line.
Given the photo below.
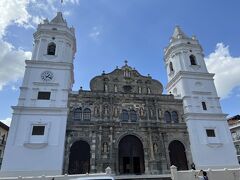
193, 60
167, 117
51, 48
238, 149
78, 114
87, 114
127, 88
124, 115
170, 66
175, 117
204, 106
133, 116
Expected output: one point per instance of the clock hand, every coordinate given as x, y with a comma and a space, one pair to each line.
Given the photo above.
49, 76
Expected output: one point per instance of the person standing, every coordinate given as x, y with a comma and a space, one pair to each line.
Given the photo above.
205, 177
200, 175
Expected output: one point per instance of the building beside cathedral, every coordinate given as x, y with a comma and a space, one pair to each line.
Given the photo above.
124, 121
3, 136
234, 126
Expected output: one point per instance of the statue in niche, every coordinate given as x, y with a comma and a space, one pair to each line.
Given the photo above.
115, 112
96, 111
69, 138
155, 148
151, 113
159, 113
141, 112
105, 111
105, 147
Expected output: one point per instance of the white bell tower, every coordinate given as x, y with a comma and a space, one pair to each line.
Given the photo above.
35, 144
188, 79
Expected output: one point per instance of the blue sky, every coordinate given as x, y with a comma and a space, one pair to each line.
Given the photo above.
110, 31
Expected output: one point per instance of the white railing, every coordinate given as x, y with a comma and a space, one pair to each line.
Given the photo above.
108, 173
57, 177
218, 174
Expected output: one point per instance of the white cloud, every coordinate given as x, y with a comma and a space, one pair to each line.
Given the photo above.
13, 12
11, 63
226, 69
95, 33
7, 121
27, 14
14, 88
71, 1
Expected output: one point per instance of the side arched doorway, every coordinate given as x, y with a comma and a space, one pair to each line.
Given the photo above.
177, 155
131, 155
79, 158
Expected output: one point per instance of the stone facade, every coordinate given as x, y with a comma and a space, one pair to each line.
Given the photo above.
234, 126
121, 104
3, 137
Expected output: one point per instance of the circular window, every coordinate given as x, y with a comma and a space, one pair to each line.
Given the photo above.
127, 88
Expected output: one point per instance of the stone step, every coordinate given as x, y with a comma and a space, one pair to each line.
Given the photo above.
143, 177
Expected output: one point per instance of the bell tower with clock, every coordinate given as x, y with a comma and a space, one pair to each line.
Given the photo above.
36, 138
188, 79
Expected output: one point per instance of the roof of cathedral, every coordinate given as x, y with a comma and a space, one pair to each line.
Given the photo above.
4, 126
178, 33
125, 80
126, 66
58, 19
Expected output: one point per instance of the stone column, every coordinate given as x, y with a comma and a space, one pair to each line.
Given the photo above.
101, 108
147, 110
99, 149
164, 164
110, 144
93, 153
146, 161
156, 110
151, 158
66, 154
150, 144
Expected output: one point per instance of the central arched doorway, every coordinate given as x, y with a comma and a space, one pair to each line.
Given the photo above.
177, 155
131, 156
79, 158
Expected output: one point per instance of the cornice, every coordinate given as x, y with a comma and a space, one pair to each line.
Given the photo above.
42, 110
48, 63
60, 32
205, 116
189, 75
182, 46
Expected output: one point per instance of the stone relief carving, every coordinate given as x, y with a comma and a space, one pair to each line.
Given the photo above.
155, 147
115, 112
105, 147
96, 111
159, 113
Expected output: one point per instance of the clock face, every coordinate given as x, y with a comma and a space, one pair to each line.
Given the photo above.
47, 76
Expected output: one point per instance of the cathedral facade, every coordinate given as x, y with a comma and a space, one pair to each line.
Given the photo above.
124, 121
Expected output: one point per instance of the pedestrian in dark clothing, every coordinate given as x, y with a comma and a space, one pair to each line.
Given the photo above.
205, 175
